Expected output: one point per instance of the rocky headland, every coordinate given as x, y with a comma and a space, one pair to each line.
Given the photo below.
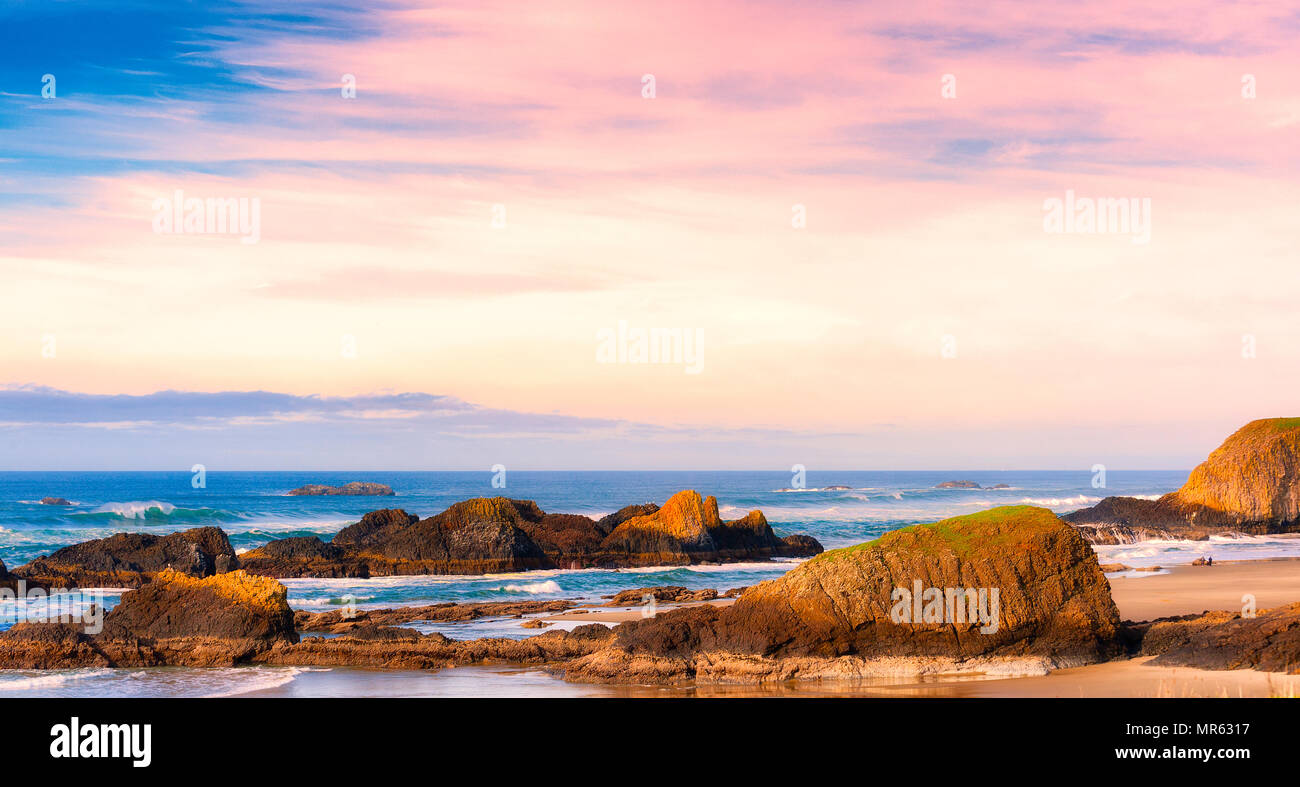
1250, 484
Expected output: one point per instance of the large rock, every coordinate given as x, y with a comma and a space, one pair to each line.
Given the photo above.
834, 614
175, 619
352, 488
1250, 484
129, 559
488, 535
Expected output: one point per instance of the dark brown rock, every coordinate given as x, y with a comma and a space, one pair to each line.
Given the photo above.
499, 534
54, 501
129, 559
1270, 641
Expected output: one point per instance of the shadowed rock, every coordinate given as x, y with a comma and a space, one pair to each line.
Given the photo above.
488, 535
129, 559
1226, 640
54, 501
1250, 484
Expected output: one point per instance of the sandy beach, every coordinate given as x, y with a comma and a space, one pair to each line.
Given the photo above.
1189, 589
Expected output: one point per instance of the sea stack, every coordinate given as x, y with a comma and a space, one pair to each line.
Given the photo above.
1250, 484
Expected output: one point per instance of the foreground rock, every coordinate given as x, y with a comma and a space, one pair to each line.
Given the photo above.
1269, 642
834, 616
130, 559
491, 535
1250, 484
354, 488
174, 620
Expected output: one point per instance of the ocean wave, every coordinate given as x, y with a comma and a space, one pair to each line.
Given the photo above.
549, 586
1058, 502
245, 680
136, 510
49, 680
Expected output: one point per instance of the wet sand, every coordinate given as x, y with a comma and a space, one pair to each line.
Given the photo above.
1188, 590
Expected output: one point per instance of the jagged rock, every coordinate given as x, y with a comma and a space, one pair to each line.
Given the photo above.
129, 559
1250, 484
487, 535
687, 529
352, 488
957, 485
174, 620
667, 594
1054, 608
1270, 641
54, 501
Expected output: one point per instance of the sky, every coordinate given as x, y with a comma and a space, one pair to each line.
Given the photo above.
464, 222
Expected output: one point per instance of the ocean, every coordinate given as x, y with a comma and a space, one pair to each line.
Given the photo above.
253, 508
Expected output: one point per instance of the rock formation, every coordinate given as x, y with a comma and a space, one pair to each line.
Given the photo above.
1250, 484
488, 535
174, 620
355, 488
835, 614
54, 501
1270, 641
128, 559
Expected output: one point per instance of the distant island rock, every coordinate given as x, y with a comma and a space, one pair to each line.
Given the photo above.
54, 501
354, 488
1249, 484
967, 485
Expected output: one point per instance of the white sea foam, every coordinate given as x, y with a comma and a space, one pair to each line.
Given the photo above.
49, 680
1060, 502
1167, 552
549, 586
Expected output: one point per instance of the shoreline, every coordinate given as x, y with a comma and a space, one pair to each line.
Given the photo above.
1190, 590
